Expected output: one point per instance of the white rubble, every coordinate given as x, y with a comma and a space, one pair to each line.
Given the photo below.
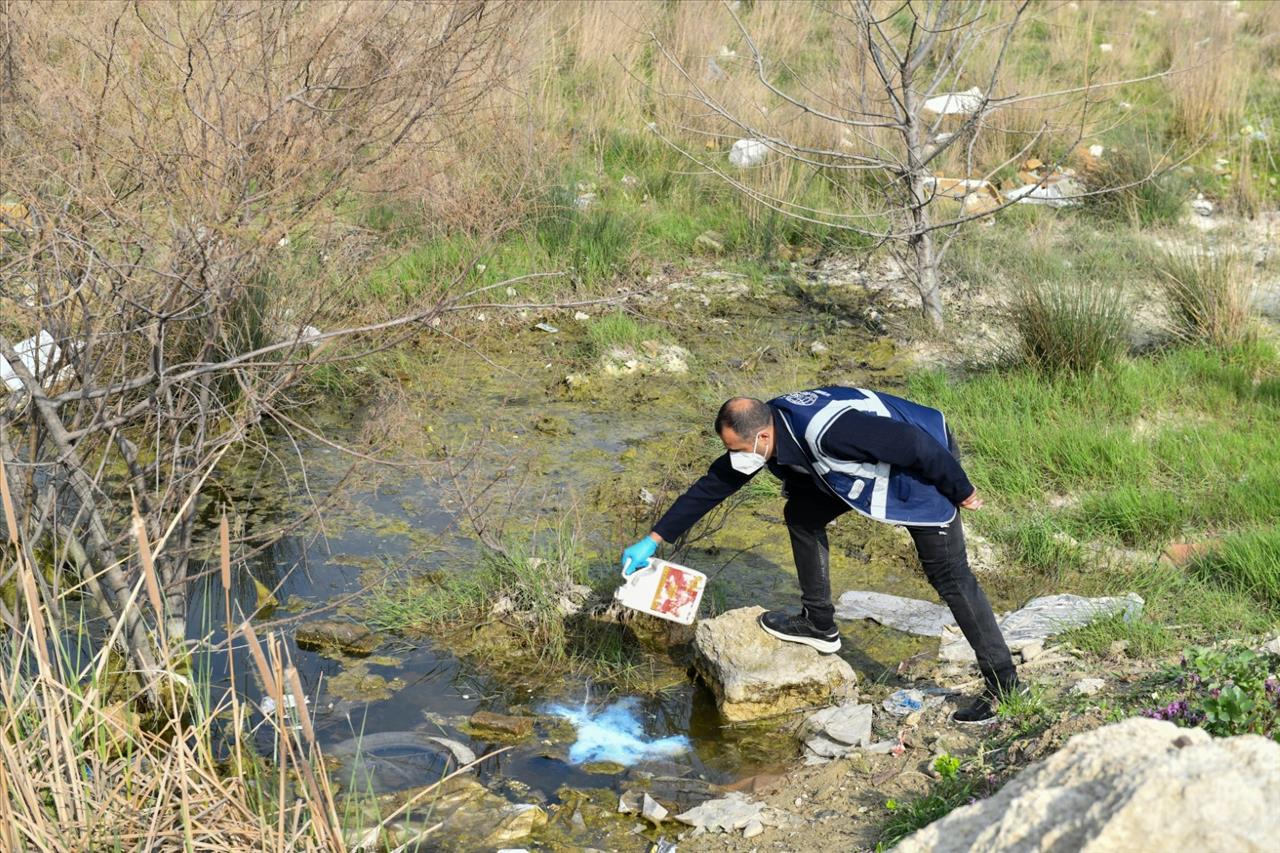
1061, 193
1135, 785
849, 723
837, 731
652, 810
1087, 687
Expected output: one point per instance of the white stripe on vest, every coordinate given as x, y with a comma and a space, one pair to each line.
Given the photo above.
878, 473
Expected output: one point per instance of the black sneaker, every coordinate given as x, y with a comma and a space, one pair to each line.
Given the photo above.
980, 712
796, 628
983, 711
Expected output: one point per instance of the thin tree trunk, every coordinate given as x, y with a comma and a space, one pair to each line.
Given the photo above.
923, 256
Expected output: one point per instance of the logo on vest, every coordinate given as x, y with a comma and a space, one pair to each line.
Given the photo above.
802, 398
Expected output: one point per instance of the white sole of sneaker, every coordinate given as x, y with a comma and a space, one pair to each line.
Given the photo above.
827, 647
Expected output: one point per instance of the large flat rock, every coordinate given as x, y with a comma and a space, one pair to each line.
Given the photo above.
755, 675
1136, 785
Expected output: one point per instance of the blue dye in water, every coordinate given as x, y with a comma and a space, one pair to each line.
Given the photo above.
615, 733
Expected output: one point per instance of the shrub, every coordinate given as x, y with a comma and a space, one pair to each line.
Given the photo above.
1070, 327
1208, 293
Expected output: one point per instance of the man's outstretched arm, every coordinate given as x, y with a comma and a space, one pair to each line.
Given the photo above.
720, 481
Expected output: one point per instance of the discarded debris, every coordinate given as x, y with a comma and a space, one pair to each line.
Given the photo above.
904, 702
733, 812
37, 354
837, 732
546, 327
956, 103
748, 152
1059, 194
1027, 627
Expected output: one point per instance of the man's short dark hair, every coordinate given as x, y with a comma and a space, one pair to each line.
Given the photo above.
746, 416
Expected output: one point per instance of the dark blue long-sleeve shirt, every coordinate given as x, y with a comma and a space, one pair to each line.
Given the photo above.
854, 437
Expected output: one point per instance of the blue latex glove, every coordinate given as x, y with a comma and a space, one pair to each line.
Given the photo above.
637, 556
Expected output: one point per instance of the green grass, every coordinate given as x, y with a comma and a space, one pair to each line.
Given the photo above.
1133, 514
955, 788
618, 330
526, 583
1179, 446
1247, 562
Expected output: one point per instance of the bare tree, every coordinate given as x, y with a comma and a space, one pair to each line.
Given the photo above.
156, 161
896, 113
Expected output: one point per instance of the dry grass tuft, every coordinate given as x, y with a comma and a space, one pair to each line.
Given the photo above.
1210, 295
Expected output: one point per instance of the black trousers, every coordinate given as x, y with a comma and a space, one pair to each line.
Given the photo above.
942, 556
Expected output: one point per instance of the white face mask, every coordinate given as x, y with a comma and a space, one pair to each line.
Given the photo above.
747, 463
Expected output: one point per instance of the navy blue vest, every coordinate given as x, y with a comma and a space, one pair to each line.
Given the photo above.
878, 490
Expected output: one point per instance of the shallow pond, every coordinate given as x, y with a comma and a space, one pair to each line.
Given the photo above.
590, 457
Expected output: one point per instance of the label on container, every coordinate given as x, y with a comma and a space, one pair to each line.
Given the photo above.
678, 593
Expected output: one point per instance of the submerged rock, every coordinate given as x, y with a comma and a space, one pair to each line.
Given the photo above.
675, 793
1135, 785
493, 726
333, 635
357, 684
516, 824
755, 675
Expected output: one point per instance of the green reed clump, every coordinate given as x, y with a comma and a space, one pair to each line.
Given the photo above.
1072, 328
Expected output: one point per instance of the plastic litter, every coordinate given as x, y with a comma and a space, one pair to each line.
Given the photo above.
38, 354
956, 103
894, 611
1058, 194
748, 152
904, 702
666, 590
546, 327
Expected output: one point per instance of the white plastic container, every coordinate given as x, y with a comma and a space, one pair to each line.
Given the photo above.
665, 590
